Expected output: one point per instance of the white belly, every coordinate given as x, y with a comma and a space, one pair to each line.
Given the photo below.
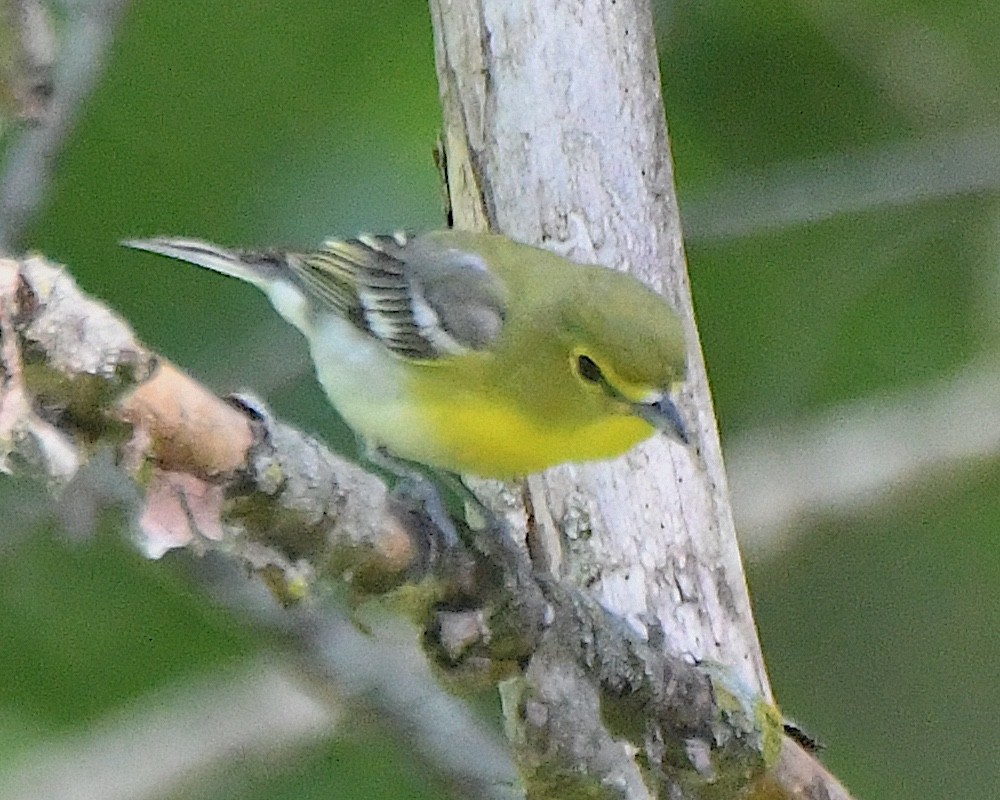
366, 384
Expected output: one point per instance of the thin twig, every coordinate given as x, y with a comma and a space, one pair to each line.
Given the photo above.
85, 37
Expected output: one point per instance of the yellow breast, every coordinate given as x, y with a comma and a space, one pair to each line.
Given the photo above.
494, 441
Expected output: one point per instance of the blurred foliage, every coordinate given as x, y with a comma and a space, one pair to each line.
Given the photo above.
250, 123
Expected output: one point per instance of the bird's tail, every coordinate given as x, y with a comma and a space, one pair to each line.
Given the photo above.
271, 271
260, 268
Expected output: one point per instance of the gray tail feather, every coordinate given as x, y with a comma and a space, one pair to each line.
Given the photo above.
256, 267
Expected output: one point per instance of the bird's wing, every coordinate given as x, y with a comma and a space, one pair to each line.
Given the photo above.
421, 301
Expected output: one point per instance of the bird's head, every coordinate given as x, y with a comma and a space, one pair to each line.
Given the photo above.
627, 348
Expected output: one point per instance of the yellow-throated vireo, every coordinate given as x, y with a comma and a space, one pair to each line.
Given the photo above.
469, 352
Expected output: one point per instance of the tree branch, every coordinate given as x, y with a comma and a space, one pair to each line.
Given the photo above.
76, 383
211, 475
858, 453
555, 134
54, 78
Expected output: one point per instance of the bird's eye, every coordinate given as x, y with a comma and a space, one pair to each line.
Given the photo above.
588, 369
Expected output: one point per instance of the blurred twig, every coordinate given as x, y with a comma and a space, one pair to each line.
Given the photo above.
796, 193
28, 58
382, 667
271, 708
925, 69
853, 456
154, 747
84, 37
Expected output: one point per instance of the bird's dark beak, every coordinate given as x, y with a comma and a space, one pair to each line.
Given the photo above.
664, 415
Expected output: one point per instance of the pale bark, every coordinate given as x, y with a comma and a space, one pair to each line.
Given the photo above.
555, 135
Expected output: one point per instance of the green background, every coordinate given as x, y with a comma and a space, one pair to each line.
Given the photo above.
266, 123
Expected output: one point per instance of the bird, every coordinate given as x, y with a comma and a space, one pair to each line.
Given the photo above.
470, 352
